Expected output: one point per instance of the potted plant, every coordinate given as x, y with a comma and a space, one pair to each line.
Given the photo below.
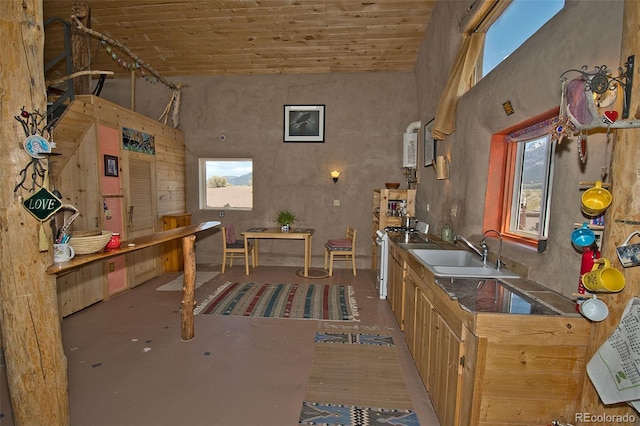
285, 219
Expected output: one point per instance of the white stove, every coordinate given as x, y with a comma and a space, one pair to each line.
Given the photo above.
382, 268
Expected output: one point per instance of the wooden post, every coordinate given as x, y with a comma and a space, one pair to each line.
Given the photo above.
29, 321
625, 179
81, 48
189, 286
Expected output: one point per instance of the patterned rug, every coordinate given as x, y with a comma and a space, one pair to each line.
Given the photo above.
297, 301
356, 380
351, 415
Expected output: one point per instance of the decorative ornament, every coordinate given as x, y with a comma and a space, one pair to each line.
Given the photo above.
582, 147
37, 146
609, 117
562, 129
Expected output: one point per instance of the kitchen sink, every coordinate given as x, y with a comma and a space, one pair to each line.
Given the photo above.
424, 245
458, 264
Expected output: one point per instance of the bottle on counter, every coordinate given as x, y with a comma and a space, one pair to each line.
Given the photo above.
447, 233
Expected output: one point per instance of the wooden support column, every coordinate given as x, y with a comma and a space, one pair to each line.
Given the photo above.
81, 48
188, 287
29, 321
625, 179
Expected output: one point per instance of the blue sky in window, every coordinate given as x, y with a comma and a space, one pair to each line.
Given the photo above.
516, 24
228, 168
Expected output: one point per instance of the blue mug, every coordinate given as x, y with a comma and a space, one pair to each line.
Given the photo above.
583, 236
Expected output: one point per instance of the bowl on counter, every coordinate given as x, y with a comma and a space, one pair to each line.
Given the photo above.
392, 185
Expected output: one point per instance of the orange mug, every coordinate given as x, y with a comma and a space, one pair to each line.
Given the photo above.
603, 278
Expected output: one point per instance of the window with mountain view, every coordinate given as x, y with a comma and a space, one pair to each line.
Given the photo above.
226, 183
530, 193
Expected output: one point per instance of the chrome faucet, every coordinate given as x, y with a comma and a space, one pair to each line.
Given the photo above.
484, 237
483, 252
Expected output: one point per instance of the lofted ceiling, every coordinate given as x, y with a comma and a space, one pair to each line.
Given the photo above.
199, 37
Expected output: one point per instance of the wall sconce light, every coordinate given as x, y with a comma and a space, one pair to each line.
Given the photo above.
335, 175
442, 166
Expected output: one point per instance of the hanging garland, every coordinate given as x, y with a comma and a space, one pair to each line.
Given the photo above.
146, 70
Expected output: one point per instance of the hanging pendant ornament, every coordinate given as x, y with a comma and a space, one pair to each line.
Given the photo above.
609, 117
582, 147
562, 128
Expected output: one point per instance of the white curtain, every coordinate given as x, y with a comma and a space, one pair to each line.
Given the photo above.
470, 48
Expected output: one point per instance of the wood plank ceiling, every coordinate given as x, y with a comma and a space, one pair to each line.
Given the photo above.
197, 37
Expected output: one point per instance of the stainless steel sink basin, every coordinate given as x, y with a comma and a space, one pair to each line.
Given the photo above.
458, 264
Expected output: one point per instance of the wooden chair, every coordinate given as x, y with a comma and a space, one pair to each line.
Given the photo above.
341, 249
232, 248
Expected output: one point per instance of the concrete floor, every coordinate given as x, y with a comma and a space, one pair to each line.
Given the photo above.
128, 366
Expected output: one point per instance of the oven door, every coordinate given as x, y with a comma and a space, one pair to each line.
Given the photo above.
382, 246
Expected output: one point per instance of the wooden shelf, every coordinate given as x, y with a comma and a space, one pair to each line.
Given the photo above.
131, 245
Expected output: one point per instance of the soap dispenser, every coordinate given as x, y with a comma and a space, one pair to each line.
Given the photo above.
447, 233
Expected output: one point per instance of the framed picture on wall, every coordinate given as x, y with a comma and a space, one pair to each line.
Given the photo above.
429, 144
304, 123
111, 165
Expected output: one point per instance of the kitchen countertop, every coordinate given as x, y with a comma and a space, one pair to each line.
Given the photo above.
513, 296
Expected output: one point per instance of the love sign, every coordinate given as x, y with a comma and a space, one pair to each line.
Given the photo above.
42, 205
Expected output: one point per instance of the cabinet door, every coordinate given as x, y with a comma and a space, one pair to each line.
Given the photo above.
395, 287
142, 265
410, 291
80, 288
445, 371
424, 313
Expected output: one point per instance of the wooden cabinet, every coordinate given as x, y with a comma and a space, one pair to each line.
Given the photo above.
89, 129
173, 260
488, 368
435, 348
395, 283
385, 208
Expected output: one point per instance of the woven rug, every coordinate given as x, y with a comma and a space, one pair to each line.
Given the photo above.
356, 380
177, 283
297, 301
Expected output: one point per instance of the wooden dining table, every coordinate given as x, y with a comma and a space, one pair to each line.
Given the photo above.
255, 234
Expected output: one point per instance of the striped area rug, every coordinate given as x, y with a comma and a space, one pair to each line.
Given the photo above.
297, 301
356, 380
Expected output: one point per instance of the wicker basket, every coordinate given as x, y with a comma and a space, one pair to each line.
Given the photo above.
85, 243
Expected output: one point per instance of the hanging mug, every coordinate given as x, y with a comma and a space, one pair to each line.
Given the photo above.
603, 278
583, 236
594, 309
629, 255
596, 200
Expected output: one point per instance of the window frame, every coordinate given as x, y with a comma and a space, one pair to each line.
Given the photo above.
202, 182
488, 12
500, 179
513, 190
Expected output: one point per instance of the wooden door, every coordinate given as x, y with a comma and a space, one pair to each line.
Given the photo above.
141, 215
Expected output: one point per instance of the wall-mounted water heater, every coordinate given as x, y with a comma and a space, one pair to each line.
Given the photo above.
410, 150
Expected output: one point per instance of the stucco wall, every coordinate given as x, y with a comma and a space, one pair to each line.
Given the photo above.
583, 33
366, 114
